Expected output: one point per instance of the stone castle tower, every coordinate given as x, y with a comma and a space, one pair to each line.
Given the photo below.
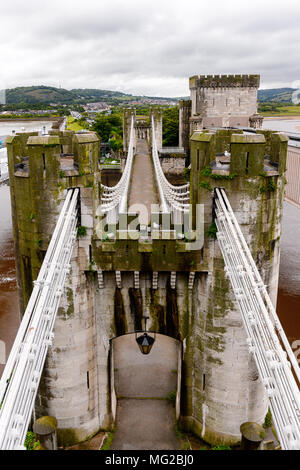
186, 292
219, 101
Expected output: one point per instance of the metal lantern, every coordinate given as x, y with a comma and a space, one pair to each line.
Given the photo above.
145, 342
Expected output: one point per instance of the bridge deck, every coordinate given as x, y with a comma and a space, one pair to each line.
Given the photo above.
143, 188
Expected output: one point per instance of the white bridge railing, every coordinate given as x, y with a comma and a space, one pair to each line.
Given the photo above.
20, 380
277, 368
114, 198
174, 199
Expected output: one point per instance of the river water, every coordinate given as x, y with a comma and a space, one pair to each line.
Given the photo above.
6, 128
290, 126
9, 309
288, 304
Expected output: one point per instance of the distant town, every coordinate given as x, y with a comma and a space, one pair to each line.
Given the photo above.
44, 101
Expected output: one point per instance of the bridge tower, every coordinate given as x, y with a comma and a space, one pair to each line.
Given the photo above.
226, 387
157, 117
184, 124
127, 114
219, 101
114, 280
41, 170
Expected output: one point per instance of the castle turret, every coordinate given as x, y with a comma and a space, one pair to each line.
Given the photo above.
127, 114
227, 388
40, 175
220, 101
184, 125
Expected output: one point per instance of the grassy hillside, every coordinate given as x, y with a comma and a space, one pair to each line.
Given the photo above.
46, 95
40, 94
278, 95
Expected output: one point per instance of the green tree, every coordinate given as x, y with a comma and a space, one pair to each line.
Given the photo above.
170, 126
116, 144
108, 127
115, 120
103, 128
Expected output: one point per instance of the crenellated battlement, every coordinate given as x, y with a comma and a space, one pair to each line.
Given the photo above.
229, 151
224, 81
50, 156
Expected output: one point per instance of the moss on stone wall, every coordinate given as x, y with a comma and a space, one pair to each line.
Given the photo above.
136, 307
119, 314
172, 319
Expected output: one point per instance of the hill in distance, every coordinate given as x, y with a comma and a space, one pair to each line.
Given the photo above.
278, 95
46, 95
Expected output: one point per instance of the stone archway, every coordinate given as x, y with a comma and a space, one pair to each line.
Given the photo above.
145, 391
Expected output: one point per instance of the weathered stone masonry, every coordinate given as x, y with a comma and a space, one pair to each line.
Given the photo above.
104, 297
219, 101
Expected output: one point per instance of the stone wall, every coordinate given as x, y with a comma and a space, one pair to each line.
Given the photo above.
103, 299
184, 123
227, 388
172, 163
219, 101
224, 101
127, 113
39, 181
157, 115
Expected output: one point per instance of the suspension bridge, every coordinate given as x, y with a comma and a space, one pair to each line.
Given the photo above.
275, 361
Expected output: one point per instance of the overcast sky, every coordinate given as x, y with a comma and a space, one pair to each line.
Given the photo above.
149, 48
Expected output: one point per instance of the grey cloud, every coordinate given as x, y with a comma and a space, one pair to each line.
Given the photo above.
149, 48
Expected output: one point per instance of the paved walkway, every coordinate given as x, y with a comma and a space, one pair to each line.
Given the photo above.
145, 425
145, 417
143, 188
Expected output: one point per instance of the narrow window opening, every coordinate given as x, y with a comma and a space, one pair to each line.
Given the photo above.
247, 163
88, 380
90, 253
198, 159
203, 382
44, 161
90, 157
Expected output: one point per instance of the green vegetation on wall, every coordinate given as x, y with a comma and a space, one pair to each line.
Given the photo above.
31, 441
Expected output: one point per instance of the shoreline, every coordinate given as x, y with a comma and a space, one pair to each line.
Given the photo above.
282, 118
31, 119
